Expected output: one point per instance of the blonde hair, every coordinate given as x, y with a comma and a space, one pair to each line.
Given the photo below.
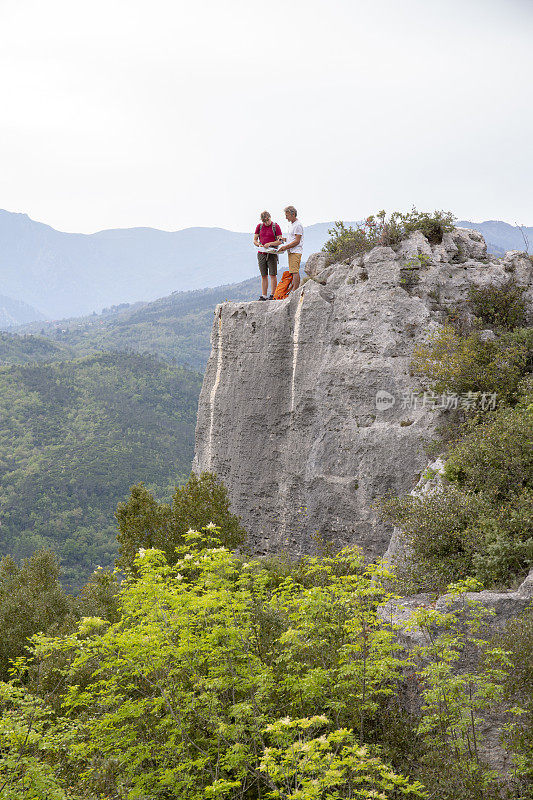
265, 216
291, 210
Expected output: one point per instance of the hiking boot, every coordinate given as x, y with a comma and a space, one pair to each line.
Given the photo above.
270, 296
261, 297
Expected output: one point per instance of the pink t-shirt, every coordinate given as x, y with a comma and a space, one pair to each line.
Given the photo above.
268, 233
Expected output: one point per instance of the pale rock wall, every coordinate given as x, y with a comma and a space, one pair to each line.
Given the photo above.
287, 415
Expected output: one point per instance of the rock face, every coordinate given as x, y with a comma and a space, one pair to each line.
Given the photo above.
502, 607
307, 410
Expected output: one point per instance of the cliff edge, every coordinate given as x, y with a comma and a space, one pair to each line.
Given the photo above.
308, 412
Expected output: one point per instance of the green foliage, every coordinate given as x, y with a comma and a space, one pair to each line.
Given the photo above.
99, 597
176, 698
30, 741
455, 699
348, 242
74, 437
480, 522
333, 765
461, 364
25, 349
222, 679
517, 639
503, 307
31, 600
145, 523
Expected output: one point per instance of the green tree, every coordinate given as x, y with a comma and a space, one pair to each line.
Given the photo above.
31, 600
299, 765
143, 522
174, 699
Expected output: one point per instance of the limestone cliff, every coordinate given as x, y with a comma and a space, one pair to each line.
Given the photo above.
288, 416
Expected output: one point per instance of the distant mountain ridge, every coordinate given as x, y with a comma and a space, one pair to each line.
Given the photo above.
15, 312
500, 236
73, 274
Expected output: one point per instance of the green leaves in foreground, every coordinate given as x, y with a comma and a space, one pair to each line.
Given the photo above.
223, 680
178, 699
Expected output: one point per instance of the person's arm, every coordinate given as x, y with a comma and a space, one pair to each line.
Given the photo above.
297, 239
279, 238
256, 240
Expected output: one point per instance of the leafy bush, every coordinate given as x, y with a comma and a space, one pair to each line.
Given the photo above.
223, 680
454, 699
517, 639
480, 522
440, 537
145, 523
176, 699
501, 306
348, 242
461, 364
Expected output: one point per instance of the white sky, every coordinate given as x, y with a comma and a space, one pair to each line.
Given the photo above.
115, 113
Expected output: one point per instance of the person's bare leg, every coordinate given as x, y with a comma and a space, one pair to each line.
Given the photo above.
273, 283
295, 281
264, 285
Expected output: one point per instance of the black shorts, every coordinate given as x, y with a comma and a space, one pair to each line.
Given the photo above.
268, 264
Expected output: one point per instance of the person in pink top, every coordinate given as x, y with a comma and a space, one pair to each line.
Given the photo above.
267, 235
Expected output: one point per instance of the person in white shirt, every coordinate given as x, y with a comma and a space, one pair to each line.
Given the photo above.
294, 245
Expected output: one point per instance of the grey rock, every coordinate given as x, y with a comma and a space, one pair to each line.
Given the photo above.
315, 264
398, 551
487, 335
503, 607
289, 415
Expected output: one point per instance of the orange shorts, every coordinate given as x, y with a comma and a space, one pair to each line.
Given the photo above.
294, 263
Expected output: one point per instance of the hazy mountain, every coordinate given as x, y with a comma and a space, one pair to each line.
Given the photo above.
69, 274
500, 236
15, 312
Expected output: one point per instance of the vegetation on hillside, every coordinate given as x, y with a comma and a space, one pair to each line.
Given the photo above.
175, 328
74, 437
15, 349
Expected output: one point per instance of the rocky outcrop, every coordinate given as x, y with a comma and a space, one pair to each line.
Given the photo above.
307, 411
502, 606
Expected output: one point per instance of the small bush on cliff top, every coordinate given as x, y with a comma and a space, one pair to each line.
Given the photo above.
348, 242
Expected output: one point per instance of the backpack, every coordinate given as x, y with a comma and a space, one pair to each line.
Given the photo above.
284, 286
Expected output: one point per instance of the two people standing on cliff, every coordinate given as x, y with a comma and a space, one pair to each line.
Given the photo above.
268, 239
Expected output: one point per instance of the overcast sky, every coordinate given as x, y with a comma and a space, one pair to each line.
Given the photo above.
116, 113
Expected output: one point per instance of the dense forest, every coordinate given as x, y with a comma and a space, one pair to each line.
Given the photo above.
175, 328
74, 436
